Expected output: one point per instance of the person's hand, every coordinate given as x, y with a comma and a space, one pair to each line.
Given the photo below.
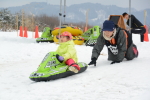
128, 29
93, 62
60, 58
113, 62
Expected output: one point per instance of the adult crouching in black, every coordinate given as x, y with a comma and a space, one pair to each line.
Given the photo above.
118, 42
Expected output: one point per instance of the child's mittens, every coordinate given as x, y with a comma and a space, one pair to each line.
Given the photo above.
60, 58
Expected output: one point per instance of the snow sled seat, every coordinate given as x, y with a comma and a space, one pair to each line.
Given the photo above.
51, 69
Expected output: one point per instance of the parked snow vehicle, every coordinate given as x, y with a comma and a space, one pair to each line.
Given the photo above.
87, 34
51, 69
46, 36
75, 31
79, 40
91, 41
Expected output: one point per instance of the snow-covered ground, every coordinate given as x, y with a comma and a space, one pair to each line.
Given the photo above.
19, 57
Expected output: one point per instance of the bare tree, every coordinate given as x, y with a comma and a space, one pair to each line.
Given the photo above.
10, 22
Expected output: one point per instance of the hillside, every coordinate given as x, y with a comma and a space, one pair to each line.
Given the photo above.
76, 13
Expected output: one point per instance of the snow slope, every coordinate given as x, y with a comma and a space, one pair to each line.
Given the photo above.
19, 57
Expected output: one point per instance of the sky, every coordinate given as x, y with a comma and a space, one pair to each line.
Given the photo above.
137, 4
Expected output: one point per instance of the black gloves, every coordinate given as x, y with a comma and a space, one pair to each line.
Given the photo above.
115, 62
93, 61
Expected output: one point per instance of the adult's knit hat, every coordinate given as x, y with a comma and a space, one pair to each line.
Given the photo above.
108, 25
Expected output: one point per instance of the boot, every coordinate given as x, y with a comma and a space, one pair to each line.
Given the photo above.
73, 66
135, 51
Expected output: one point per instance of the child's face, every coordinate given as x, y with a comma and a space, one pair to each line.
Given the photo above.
63, 39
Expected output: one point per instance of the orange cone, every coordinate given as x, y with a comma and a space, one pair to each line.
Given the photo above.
21, 32
146, 38
36, 32
25, 32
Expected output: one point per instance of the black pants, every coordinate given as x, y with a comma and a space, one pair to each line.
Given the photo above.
140, 31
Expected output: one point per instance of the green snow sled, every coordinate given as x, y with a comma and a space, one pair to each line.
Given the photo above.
46, 36
92, 35
51, 69
87, 34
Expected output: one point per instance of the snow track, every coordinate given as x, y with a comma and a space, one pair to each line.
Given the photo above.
128, 80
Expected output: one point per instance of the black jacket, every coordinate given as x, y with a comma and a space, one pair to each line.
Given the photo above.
135, 23
121, 45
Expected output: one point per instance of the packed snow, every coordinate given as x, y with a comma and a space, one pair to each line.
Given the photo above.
20, 56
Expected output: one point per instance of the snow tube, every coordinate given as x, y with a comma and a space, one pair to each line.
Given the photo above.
46, 36
75, 31
51, 69
76, 39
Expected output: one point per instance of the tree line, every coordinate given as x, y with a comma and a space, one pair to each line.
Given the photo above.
12, 22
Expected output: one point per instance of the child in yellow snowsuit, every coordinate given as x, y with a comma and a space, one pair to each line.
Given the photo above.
67, 52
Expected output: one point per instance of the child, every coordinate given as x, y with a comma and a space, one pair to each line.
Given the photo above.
118, 42
67, 52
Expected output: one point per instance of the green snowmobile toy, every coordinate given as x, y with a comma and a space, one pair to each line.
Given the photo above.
91, 41
87, 34
51, 69
46, 36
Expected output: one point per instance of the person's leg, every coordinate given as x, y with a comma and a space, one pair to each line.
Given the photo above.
73, 66
135, 50
142, 37
143, 30
140, 31
136, 31
132, 52
111, 57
